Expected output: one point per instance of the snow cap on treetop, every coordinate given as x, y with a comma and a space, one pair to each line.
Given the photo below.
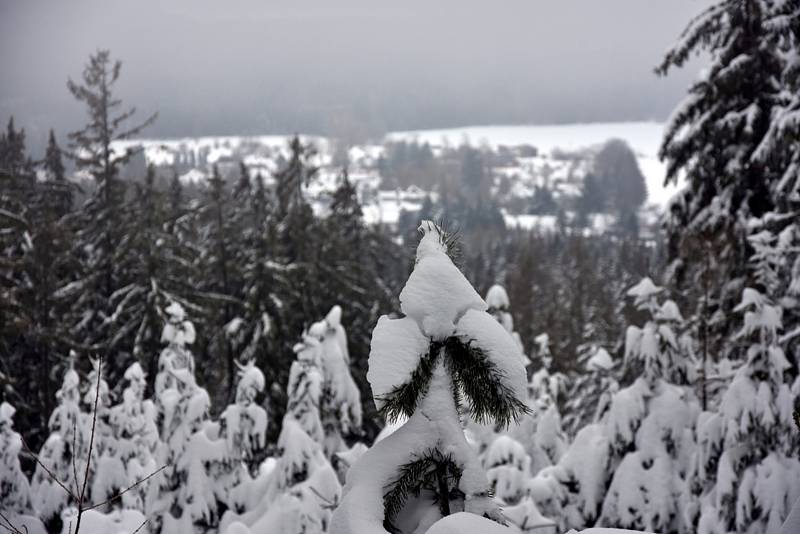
644, 291
669, 312
317, 330
437, 294
251, 379
6, 413
497, 297
600, 360
134, 372
334, 317
175, 312
178, 330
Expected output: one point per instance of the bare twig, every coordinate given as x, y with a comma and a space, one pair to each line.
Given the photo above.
140, 527
74, 464
82, 495
9, 526
52, 476
126, 490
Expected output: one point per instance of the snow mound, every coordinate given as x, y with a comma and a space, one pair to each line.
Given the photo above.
466, 523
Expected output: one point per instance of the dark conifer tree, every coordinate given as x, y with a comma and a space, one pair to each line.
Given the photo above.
712, 138
101, 245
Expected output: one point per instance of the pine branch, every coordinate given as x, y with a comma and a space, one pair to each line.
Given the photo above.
483, 383
423, 473
402, 400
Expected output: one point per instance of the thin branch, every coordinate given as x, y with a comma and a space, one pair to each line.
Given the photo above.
74, 451
91, 436
126, 490
50, 473
140, 527
10, 526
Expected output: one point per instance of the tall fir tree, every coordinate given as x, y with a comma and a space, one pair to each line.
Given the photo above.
100, 244
712, 138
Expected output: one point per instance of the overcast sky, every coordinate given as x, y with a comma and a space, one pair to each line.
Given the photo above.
360, 67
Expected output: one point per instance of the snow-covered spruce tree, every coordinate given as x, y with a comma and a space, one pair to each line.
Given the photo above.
591, 389
780, 149
16, 504
546, 385
135, 437
649, 423
340, 403
15, 491
508, 468
69, 439
244, 427
499, 307
106, 473
101, 246
302, 488
444, 350
712, 138
182, 499
751, 454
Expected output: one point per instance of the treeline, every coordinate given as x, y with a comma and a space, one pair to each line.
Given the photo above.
249, 262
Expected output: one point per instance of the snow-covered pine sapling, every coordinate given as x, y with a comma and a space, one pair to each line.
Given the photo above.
340, 407
499, 307
77, 482
304, 390
135, 435
15, 492
444, 350
182, 497
60, 455
302, 488
546, 386
657, 346
244, 428
302, 469
592, 388
245, 422
649, 423
757, 469
107, 471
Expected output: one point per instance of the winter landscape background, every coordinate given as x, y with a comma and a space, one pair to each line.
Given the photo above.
356, 269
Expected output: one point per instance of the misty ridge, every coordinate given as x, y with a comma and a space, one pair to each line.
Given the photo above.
400, 269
